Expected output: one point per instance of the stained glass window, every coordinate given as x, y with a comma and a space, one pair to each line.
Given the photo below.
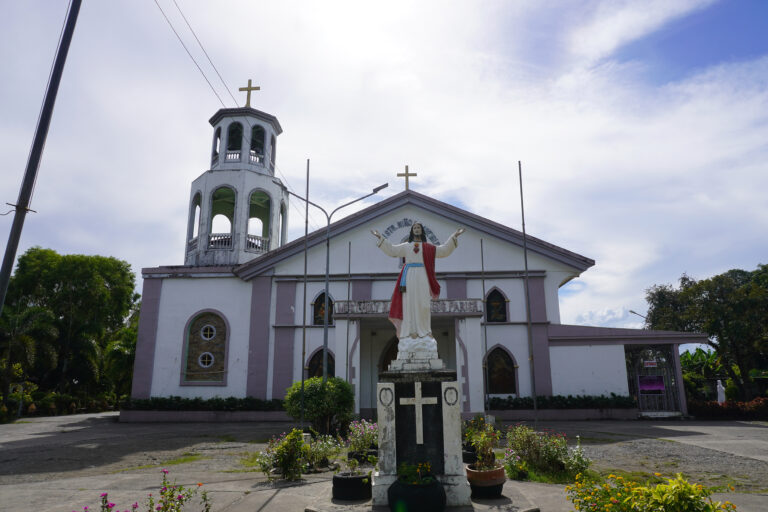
501, 372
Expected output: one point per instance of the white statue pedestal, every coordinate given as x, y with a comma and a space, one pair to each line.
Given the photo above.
419, 417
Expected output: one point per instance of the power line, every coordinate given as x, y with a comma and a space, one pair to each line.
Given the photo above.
188, 53
226, 87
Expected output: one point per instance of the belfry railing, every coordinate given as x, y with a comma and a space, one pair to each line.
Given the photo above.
255, 243
220, 241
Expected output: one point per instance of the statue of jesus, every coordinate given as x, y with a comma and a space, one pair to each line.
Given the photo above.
415, 287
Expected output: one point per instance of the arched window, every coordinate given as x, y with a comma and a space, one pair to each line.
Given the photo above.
315, 365
495, 307
205, 350
194, 220
216, 144
257, 144
501, 373
222, 218
318, 309
283, 224
259, 213
234, 141
272, 154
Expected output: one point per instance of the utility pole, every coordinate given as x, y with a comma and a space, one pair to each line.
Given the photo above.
33, 164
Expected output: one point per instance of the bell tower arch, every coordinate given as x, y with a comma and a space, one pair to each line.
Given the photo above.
237, 208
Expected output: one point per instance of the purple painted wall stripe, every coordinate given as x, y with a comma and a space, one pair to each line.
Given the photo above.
282, 365
456, 288
542, 367
258, 344
362, 290
147, 338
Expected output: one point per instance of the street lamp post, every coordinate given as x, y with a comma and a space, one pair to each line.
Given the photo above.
327, 264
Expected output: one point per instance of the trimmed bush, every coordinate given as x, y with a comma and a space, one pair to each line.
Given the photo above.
177, 403
565, 402
328, 407
756, 409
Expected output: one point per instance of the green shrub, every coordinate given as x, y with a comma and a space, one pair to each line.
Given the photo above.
620, 495
177, 403
319, 452
362, 435
613, 401
756, 409
283, 456
544, 452
328, 407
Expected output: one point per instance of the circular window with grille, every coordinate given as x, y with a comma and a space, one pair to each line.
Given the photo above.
205, 360
208, 332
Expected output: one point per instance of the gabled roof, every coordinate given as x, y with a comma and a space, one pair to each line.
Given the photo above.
409, 197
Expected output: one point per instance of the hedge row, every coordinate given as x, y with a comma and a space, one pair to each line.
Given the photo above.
565, 402
756, 409
177, 403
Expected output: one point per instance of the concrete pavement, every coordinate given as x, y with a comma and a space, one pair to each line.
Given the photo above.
64, 463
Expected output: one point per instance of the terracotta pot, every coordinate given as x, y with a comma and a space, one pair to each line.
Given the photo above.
486, 483
404, 497
347, 486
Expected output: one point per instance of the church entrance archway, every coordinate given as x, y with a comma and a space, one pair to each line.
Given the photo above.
378, 347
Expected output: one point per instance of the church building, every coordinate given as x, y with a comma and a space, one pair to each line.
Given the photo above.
234, 320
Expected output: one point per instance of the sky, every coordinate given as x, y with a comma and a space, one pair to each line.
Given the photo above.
642, 126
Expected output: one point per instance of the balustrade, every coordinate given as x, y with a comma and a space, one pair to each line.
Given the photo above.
233, 156
255, 243
220, 241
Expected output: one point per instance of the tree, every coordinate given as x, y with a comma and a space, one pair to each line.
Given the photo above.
90, 298
26, 340
731, 309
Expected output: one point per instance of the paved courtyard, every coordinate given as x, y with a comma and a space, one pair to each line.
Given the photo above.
64, 463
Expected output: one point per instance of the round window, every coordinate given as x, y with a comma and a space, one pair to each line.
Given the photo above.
205, 360
208, 332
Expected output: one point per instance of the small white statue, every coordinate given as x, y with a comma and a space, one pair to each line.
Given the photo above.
720, 391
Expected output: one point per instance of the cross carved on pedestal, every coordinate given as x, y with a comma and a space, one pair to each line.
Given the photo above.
417, 401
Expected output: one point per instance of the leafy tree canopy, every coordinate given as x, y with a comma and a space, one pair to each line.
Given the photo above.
89, 299
731, 309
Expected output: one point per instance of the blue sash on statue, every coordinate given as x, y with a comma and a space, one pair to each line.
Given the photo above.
405, 273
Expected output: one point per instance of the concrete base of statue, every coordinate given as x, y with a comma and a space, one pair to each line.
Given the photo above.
419, 417
416, 354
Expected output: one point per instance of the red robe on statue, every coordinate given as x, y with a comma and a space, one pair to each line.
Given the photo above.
396, 308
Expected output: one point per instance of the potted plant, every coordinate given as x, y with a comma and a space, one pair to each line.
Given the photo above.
486, 476
363, 440
416, 488
354, 484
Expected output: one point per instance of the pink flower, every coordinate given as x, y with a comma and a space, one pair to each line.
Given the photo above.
103, 495
179, 497
165, 471
135, 505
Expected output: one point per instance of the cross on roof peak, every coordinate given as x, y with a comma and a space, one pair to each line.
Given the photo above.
248, 90
406, 175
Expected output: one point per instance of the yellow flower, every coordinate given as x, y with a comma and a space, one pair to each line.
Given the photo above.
657, 474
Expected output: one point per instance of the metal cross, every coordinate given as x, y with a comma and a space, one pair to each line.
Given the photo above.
248, 90
406, 175
417, 402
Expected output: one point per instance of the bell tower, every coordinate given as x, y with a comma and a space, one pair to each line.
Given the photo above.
238, 210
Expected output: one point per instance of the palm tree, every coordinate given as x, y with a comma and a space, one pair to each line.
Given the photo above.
26, 339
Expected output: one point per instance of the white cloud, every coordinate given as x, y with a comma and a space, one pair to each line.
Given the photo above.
650, 181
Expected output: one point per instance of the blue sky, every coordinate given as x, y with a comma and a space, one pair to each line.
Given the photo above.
641, 125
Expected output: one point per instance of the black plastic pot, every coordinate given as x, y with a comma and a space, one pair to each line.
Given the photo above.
347, 486
404, 497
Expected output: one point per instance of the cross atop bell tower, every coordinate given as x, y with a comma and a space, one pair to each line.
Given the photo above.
248, 90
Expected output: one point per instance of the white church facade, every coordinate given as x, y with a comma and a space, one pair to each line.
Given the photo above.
234, 320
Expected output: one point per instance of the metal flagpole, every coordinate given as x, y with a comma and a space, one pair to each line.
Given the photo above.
528, 301
304, 313
485, 328
349, 283
33, 163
